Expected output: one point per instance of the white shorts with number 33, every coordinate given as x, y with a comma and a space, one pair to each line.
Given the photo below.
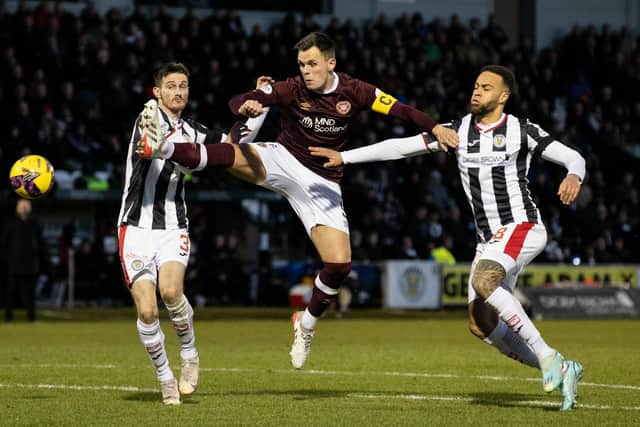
142, 251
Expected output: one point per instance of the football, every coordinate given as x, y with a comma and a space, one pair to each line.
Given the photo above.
31, 176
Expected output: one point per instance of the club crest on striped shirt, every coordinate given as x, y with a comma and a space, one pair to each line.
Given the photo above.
499, 140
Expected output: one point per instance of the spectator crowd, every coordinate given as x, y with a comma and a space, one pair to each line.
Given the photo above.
72, 85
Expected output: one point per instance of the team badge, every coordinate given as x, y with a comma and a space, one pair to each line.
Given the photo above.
305, 106
499, 141
137, 264
343, 107
413, 283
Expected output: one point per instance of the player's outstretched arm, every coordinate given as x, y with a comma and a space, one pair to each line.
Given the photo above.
447, 137
334, 158
559, 153
389, 149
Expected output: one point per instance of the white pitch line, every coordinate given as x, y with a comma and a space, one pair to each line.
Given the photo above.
57, 365
326, 372
80, 387
541, 403
415, 374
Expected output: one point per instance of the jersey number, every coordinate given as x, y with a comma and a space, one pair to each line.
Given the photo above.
184, 244
499, 233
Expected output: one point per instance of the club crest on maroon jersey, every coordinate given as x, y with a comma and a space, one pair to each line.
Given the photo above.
343, 107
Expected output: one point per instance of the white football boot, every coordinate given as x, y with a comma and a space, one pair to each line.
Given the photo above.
170, 393
301, 341
189, 376
151, 142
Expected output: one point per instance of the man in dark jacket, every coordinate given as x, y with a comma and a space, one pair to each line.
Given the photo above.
24, 255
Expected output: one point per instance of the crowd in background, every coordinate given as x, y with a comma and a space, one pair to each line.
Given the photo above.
71, 87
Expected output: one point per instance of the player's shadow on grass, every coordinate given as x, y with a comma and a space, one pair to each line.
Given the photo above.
149, 396
511, 400
37, 397
295, 394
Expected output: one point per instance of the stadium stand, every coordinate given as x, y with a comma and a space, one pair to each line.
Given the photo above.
70, 86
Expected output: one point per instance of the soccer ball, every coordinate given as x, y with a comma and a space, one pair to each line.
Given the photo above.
31, 176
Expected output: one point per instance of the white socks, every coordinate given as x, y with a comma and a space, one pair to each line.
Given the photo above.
510, 344
308, 320
181, 314
153, 341
511, 312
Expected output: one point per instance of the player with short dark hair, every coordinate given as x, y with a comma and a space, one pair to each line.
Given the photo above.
493, 159
317, 108
154, 244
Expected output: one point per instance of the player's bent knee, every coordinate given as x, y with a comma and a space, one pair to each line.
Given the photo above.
475, 330
334, 273
171, 295
147, 315
248, 165
487, 276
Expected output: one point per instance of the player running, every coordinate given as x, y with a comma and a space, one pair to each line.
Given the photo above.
316, 109
493, 159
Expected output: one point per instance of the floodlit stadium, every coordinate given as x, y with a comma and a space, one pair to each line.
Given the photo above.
384, 212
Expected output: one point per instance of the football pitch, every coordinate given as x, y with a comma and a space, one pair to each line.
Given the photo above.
367, 369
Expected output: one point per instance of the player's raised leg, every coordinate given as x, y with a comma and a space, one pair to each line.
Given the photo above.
152, 338
485, 324
335, 251
242, 160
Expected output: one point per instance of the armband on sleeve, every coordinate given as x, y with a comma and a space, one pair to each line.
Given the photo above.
383, 102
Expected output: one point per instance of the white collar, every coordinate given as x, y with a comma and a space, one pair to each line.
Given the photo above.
334, 86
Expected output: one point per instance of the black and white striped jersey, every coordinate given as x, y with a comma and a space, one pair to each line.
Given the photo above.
153, 196
494, 162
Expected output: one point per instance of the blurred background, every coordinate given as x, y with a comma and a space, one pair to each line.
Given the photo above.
74, 76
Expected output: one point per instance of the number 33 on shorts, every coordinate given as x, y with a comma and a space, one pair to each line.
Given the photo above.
184, 244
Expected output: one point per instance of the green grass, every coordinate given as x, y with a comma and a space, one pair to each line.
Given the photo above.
371, 368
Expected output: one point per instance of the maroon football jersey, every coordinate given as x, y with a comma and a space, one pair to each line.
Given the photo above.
312, 119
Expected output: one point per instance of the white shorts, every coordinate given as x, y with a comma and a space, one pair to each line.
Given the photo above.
142, 251
513, 246
316, 200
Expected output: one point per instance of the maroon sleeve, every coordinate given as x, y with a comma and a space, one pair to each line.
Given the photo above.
280, 93
409, 114
366, 94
